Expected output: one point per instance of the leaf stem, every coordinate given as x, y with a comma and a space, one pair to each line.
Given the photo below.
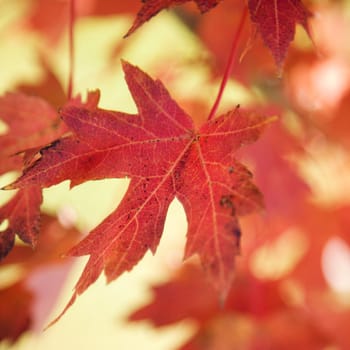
230, 63
71, 47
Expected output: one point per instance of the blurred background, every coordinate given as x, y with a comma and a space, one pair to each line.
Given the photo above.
298, 248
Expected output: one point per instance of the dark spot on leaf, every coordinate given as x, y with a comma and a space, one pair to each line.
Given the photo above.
226, 202
7, 240
50, 145
237, 232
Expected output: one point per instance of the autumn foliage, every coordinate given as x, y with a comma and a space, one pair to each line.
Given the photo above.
264, 184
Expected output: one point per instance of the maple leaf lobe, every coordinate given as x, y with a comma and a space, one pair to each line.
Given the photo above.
276, 20
214, 188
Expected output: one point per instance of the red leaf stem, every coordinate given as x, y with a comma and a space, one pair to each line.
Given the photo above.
71, 47
230, 63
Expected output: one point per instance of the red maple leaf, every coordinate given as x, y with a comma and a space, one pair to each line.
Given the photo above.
256, 315
181, 299
163, 154
152, 7
276, 20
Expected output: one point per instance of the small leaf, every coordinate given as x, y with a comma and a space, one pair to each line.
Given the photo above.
276, 20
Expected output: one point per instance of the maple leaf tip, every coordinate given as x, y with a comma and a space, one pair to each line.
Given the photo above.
127, 66
132, 74
69, 304
128, 33
9, 187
